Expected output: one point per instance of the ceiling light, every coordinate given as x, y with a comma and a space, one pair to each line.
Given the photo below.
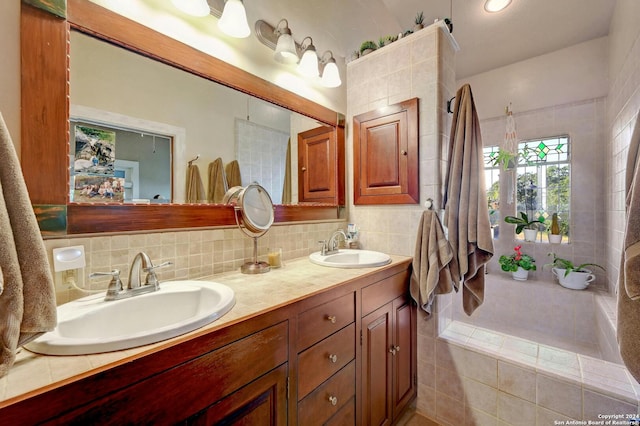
308, 65
330, 73
192, 7
496, 5
233, 21
286, 52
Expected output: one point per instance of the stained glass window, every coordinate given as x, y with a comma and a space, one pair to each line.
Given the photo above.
543, 185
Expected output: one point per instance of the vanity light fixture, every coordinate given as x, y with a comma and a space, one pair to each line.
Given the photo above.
330, 72
286, 52
192, 7
493, 6
233, 21
308, 65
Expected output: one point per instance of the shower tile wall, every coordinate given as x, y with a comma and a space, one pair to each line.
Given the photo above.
262, 162
584, 122
623, 108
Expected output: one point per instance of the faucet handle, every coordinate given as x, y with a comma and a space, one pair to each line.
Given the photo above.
323, 249
115, 285
151, 278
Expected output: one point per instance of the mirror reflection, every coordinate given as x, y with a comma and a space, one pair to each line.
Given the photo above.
161, 118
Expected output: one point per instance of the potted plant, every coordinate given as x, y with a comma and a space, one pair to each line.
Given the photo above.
367, 47
571, 276
418, 21
555, 236
506, 159
518, 263
530, 227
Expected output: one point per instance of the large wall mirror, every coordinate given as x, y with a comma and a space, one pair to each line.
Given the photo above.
152, 105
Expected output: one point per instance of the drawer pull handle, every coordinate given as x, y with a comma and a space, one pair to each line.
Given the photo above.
333, 400
332, 318
333, 358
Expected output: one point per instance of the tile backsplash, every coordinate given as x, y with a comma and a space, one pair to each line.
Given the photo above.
192, 253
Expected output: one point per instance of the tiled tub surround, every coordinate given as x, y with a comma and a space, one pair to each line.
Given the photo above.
255, 294
193, 253
535, 359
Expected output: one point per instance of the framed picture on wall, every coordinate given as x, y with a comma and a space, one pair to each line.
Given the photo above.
96, 188
95, 150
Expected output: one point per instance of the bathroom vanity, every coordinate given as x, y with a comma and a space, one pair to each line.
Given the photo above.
305, 345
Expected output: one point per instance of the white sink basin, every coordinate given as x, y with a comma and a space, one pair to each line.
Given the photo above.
91, 325
348, 258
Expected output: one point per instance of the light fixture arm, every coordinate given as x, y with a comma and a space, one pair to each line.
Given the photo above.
266, 34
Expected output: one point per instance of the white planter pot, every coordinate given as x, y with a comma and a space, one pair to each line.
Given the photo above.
555, 238
530, 234
520, 274
575, 280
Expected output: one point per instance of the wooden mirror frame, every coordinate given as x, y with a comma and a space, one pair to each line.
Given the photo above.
45, 122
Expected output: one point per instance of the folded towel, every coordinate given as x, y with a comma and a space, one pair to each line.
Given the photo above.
435, 270
195, 189
217, 181
232, 170
27, 299
466, 214
628, 329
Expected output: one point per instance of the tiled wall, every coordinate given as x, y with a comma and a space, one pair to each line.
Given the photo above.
540, 311
584, 122
193, 253
420, 65
263, 162
623, 108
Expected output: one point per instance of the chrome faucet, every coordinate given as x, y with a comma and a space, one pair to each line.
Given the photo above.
141, 263
332, 245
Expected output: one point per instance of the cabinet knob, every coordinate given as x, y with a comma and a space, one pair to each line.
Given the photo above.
331, 318
333, 358
333, 400
304, 169
393, 349
403, 152
397, 348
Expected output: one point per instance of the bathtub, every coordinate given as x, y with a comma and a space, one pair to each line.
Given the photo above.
534, 353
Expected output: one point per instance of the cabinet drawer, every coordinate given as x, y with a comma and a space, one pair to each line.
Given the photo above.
318, 406
179, 392
384, 291
323, 320
321, 361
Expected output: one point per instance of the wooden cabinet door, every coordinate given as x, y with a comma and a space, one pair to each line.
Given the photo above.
263, 402
385, 150
377, 367
404, 354
319, 170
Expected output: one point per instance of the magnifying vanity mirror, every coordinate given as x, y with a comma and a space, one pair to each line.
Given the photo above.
253, 209
121, 76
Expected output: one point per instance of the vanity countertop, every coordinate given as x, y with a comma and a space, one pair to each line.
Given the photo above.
255, 294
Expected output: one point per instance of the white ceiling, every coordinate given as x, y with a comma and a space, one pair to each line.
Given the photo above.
525, 29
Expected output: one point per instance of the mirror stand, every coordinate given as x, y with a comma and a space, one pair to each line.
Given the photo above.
255, 267
253, 210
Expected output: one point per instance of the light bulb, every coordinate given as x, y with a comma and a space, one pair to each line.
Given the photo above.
308, 65
233, 21
331, 74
